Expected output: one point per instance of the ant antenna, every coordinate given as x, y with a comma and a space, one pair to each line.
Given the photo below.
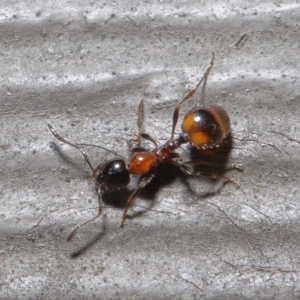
55, 133
101, 147
77, 146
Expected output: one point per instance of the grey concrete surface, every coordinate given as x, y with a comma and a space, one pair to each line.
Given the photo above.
83, 66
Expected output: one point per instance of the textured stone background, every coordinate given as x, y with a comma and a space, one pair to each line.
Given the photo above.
84, 66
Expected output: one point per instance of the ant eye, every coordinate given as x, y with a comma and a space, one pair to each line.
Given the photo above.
114, 174
206, 126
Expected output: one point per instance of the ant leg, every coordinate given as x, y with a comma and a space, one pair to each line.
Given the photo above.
134, 145
190, 171
190, 94
144, 181
73, 232
55, 133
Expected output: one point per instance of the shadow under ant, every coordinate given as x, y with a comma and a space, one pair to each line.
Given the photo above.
80, 250
214, 161
165, 174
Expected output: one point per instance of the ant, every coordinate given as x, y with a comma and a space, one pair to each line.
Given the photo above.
204, 127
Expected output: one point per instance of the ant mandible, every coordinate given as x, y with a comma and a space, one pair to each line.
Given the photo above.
205, 127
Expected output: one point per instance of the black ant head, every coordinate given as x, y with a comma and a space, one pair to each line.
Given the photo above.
113, 174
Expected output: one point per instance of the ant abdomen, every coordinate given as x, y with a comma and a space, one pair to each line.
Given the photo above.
206, 126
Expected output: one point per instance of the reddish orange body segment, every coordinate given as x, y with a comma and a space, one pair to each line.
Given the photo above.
141, 163
206, 126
